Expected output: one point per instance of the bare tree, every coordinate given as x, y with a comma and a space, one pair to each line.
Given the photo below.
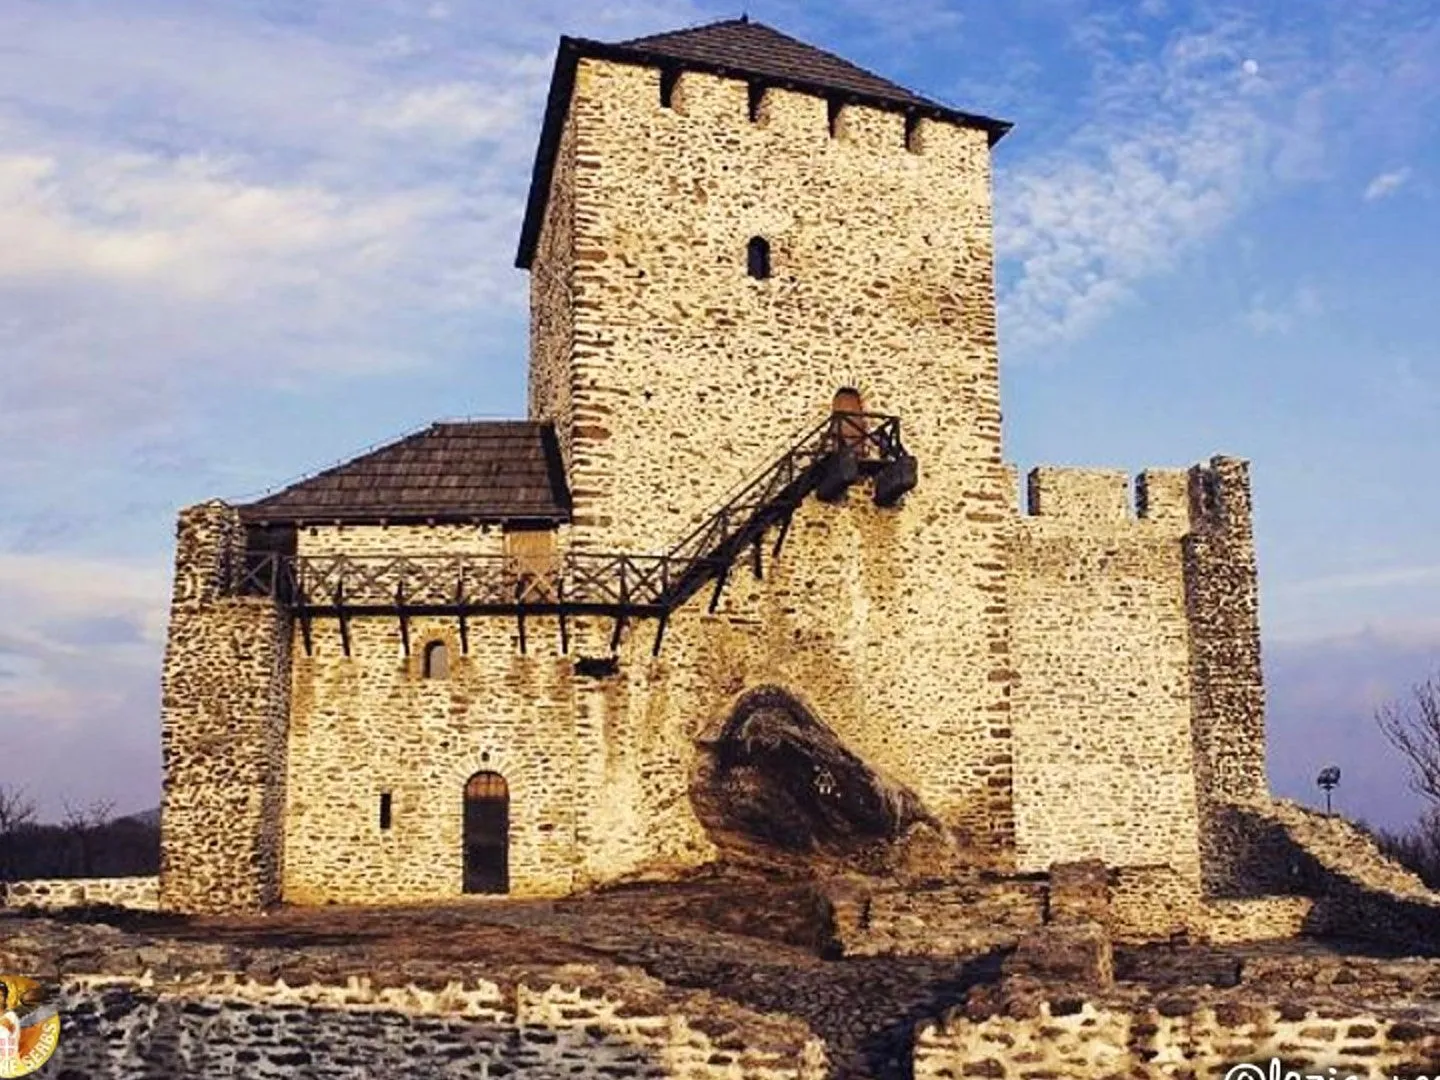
80, 824
1413, 727
17, 813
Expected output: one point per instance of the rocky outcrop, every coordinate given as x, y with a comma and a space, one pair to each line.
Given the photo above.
778, 784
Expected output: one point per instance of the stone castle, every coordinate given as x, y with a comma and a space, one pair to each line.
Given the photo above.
753, 580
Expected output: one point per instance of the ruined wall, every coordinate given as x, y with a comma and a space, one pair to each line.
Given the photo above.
141, 893
1350, 889
689, 377
871, 919
222, 1026
1103, 758
224, 706
1177, 1036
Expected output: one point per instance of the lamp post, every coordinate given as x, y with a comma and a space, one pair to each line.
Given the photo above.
1328, 780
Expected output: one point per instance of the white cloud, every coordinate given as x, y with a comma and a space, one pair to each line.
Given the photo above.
464, 111
80, 658
1181, 137
1175, 147
1386, 184
194, 226
38, 589
1388, 577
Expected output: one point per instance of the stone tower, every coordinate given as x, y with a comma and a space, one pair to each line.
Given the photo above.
673, 368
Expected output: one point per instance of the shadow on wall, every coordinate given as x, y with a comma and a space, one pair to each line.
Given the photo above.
1360, 895
777, 785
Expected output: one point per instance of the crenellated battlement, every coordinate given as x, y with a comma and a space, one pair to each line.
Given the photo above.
1218, 494
701, 98
1210, 495
1108, 496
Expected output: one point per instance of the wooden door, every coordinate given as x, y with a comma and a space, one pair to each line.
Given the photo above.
533, 562
487, 834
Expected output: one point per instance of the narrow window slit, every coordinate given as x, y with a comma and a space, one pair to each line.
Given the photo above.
668, 79
385, 810
757, 98
912, 132
757, 258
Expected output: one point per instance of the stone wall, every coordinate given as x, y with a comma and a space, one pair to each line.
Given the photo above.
552, 315
142, 893
361, 540
1100, 639
224, 711
372, 724
568, 1027
1222, 600
1176, 1036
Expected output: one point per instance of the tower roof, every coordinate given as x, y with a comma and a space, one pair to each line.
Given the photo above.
751, 48
735, 48
477, 470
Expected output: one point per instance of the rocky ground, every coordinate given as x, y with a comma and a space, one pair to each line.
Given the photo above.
740, 940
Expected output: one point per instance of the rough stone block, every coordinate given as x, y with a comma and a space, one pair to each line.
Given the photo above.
1079, 953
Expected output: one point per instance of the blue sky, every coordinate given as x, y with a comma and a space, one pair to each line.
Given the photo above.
244, 240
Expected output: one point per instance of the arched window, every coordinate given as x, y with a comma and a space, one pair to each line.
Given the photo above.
435, 661
757, 258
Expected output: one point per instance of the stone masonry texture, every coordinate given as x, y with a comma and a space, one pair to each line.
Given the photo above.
1074, 679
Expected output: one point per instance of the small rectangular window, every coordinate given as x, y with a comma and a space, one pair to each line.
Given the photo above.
757, 258
385, 810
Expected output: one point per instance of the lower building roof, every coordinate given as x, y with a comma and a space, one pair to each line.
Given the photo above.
461, 471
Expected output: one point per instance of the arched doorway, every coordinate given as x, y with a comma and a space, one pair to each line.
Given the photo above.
487, 834
852, 429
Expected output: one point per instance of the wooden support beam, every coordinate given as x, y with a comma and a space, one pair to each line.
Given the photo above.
719, 588
460, 614
659, 634
564, 623
756, 563
520, 612
344, 618
404, 617
781, 535
305, 630
615, 636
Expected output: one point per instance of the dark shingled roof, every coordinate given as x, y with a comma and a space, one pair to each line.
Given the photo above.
483, 470
735, 48
755, 49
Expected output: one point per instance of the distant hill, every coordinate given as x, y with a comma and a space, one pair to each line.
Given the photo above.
149, 818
